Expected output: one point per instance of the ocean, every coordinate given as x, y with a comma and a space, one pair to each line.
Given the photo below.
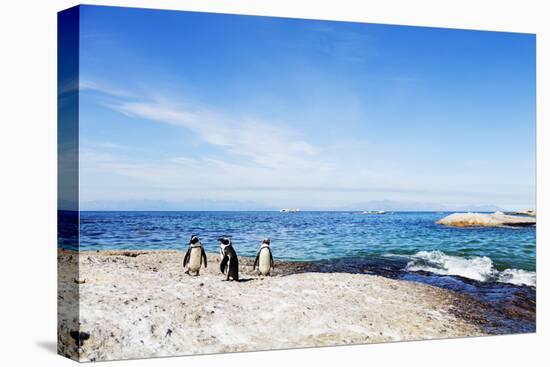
495, 265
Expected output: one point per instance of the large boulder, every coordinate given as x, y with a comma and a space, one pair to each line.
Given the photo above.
497, 219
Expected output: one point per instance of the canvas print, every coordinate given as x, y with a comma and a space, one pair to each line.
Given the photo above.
232, 183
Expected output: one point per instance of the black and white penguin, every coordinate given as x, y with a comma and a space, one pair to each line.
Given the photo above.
230, 262
194, 256
264, 258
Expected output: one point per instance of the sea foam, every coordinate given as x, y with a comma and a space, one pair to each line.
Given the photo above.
479, 268
518, 277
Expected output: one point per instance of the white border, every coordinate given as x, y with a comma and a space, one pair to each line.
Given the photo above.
28, 183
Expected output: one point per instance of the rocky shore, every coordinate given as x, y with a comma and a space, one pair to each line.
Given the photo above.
135, 304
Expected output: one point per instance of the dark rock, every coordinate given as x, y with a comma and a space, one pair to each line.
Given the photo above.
79, 337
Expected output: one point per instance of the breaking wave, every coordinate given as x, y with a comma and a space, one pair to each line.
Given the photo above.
477, 268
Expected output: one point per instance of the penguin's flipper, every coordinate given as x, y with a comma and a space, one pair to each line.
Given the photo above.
256, 261
203, 254
270, 257
186, 257
223, 264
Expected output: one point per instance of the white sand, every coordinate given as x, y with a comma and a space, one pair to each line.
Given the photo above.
497, 219
146, 306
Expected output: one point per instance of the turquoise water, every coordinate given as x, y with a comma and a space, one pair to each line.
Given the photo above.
410, 238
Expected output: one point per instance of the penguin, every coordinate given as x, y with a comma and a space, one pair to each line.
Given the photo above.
194, 256
230, 262
265, 258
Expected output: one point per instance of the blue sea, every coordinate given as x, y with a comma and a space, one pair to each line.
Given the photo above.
494, 265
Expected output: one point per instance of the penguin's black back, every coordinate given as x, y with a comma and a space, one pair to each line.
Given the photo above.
233, 268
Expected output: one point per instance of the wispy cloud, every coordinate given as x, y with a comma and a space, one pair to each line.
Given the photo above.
252, 152
86, 84
265, 144
103, 145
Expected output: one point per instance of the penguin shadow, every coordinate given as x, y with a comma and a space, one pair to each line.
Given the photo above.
241, 280
244, 280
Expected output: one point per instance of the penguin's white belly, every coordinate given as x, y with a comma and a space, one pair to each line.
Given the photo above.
195, 259
265, 262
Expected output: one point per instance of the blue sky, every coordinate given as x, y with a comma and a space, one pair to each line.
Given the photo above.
181, 106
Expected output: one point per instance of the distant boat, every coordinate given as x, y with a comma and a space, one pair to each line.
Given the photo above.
291, 210
375, 212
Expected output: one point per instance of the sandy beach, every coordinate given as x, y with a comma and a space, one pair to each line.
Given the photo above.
137, 304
